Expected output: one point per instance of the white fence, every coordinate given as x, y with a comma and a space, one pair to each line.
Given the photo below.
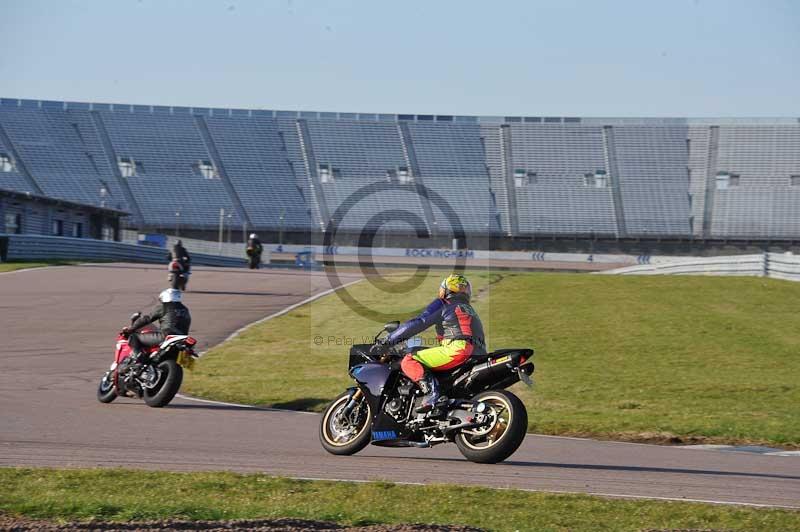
776, 265
206, 247
783, 266
226, 249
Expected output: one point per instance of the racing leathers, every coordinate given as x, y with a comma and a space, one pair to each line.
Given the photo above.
180, 254
460, 334
173, 318
254, 250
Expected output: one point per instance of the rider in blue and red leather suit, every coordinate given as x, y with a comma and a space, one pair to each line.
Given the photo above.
458, 329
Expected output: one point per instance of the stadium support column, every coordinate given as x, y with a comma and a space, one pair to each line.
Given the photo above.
111, 155
312, 170
711, 180
616, 182
411, 160
211, 148
23, 169
507, 161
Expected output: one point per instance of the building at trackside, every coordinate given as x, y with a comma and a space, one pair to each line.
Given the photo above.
512, 182
24, 213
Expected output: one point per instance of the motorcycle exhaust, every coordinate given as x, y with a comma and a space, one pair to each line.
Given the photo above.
486, 373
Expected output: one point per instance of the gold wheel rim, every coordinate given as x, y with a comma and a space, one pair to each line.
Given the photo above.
504, 416
326, 427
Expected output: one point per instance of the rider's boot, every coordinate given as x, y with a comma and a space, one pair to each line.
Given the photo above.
430, 387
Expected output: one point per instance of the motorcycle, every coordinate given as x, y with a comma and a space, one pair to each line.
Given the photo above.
486, 422
157, 380
179, 274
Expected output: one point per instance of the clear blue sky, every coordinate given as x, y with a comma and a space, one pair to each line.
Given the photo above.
556, 57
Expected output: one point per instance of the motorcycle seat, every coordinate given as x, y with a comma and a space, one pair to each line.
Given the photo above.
480, 357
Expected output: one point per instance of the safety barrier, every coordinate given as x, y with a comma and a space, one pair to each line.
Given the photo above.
468, 254
779, 266
783, 266
193, 245
36, 247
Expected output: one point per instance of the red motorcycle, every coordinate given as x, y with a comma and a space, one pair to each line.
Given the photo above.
157, 380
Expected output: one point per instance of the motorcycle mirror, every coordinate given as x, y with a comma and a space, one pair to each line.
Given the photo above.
391, 326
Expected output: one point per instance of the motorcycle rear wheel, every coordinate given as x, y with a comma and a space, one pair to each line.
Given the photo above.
338, 436
169, 382
106, 392
503, 436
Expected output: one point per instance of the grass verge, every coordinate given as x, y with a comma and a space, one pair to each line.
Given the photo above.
13, 266
660, 359
123, 495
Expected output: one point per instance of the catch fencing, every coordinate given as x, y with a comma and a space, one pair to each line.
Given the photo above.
37, 247
777, 265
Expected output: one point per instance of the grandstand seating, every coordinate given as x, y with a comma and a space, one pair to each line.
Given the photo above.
653, 177
166, 185
10, 176
360, 153
256, 162
560, 200
452, 164
53, 151
671, 178
763, 201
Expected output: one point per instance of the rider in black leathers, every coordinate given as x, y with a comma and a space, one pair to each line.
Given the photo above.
173, 318
254, 250
180, 254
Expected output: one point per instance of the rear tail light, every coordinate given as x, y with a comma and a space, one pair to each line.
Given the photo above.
190, 341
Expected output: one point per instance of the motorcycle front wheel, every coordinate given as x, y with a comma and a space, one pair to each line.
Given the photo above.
345, 434
502, 435
169, 379
106, 391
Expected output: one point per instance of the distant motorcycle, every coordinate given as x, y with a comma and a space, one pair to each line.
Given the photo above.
178, 274
486, 422
158, 380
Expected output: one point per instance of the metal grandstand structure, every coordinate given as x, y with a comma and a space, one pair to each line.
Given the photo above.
506, 177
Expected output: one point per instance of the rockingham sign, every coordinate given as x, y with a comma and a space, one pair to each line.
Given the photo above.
439, 253
468, 254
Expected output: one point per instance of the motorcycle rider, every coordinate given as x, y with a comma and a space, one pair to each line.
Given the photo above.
180, 254
173, 318
254, 250
458, 329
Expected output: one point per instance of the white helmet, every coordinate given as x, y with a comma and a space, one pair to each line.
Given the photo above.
170, 295
253, 235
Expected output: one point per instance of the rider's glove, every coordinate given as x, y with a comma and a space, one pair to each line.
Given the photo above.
126, 331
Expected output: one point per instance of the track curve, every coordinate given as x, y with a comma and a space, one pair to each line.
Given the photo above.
57, 330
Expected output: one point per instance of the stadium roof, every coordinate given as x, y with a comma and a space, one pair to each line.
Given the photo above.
373, 117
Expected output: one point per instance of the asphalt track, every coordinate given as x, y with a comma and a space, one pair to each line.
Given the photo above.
57, 328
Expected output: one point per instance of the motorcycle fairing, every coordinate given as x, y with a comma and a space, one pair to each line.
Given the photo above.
171, 339
359, 354
373, 379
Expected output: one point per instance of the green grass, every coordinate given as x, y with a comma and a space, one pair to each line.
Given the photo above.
122, 495
12, 266
709, 359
